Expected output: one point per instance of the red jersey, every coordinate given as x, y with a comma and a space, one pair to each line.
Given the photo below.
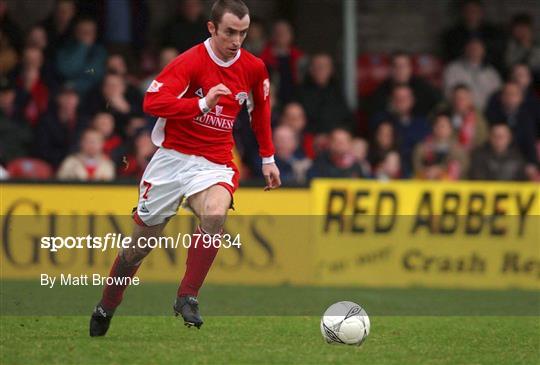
174, 97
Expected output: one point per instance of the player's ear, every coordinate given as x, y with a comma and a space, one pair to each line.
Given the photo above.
211, 28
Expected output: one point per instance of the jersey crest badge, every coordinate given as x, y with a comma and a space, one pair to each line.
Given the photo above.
242, 96
219, 109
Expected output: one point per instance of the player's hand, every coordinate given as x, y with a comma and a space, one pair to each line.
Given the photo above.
215, 93
271, 175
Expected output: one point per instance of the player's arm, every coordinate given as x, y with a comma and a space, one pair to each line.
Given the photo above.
164, 98
260, 123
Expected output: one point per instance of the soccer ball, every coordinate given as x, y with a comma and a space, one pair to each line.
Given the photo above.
345, 323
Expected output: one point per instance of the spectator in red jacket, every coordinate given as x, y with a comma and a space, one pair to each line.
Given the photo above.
284, 61
32, 93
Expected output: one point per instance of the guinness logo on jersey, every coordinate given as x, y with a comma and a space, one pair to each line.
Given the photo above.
216, 120
241, 97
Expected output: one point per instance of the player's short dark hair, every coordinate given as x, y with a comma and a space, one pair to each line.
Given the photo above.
220, 7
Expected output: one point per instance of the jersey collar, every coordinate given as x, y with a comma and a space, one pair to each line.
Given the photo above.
216, 59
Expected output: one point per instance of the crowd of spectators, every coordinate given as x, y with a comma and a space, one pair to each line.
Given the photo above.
71, 89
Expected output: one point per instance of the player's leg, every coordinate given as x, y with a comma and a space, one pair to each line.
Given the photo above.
210, 206
159, 197
125, 265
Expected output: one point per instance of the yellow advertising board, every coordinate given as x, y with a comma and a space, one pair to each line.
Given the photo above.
338, 232
474, 235
267, 222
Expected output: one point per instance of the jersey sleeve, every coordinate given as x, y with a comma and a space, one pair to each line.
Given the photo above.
163, 98
260, 116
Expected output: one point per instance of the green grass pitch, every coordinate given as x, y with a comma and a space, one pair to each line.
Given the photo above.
279, 325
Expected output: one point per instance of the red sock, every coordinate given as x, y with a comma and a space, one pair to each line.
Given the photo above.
113, 294
198, 263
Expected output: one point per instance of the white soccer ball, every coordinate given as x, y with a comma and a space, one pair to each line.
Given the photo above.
345, 323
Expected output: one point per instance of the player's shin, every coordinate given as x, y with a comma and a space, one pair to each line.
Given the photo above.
122, 267
199, 260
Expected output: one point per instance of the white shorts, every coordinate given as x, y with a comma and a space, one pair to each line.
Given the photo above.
172, 176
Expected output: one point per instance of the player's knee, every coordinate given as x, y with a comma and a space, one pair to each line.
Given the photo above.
214, 210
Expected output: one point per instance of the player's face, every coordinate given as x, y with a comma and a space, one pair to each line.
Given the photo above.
229, 34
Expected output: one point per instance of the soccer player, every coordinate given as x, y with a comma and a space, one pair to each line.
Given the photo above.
196, 99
